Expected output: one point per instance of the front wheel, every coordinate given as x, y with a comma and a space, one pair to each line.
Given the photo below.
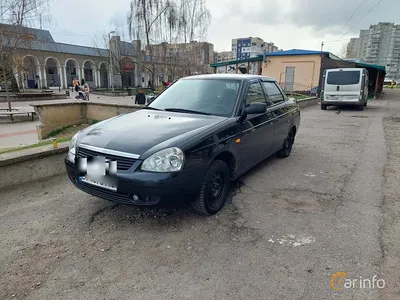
287, 146
360, 107
323, 106
214, 189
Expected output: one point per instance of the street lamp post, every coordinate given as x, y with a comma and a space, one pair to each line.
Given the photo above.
110, 67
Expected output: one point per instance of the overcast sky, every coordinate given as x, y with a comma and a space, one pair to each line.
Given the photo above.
301, 24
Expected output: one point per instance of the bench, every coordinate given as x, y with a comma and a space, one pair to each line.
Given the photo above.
35, 95
5, 112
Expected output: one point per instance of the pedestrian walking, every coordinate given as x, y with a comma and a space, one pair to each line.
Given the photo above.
86, 91
140, 97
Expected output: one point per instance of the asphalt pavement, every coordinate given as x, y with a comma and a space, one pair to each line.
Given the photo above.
291, 224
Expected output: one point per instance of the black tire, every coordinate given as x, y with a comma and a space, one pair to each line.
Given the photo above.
323, 106
360, 107
365, 104
287, 146
214, 189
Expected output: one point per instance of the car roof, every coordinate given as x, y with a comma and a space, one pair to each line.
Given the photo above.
242, 77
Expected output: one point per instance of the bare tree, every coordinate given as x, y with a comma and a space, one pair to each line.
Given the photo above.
343, 51
194, 19
145, 22
13, 36
157, 22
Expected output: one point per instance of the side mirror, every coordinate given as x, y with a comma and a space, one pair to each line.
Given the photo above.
253, 109
256, 108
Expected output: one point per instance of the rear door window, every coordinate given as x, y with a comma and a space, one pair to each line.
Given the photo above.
343, 77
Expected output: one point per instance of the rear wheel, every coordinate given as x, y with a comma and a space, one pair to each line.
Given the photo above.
214, 189
323, 106
287, 146
360, 107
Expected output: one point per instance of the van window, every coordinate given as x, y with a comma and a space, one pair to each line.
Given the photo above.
343, 77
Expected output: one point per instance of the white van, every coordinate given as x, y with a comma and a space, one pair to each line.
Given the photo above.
345, 87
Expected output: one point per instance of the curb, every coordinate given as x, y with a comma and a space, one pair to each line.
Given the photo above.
31, 164
307, 102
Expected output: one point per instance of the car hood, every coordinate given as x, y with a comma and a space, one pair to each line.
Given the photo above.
143, 130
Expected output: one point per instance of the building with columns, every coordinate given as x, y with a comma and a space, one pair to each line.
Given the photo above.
47, 63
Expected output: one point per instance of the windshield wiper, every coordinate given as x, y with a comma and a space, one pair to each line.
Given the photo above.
152, 108
182, 110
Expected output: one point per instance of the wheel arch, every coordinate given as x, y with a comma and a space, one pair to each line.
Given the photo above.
293, 129
229, 158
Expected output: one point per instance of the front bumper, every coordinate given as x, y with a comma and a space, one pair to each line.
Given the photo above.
144, 188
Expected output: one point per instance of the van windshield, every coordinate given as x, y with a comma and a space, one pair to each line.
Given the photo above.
343, 77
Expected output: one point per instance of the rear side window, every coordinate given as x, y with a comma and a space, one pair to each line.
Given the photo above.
343, 77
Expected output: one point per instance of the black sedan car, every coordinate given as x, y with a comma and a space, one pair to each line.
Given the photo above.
191, 142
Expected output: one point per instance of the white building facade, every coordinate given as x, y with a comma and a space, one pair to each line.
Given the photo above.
380, 44
250, 47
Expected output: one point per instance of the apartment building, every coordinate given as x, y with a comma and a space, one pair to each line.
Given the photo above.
250, 47
223, 56
380, 44
183, 59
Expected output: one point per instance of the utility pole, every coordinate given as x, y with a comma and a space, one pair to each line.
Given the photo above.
111, 69
322, 46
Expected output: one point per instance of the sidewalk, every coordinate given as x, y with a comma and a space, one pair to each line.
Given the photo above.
17, 134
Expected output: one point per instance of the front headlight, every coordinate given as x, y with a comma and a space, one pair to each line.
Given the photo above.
72, 144
167, 160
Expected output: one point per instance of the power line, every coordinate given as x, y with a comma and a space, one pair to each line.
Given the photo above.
344, 26
363, 17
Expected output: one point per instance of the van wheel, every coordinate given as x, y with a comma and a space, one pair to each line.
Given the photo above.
287, 146
214, 189
323, 106
360, 107
365, 104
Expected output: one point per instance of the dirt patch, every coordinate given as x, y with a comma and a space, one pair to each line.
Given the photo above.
392, 119
30, 267
390, 227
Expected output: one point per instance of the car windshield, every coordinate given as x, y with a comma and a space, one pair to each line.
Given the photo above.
203, 96
343, 77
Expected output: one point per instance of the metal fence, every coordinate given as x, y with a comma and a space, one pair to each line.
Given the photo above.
299, 88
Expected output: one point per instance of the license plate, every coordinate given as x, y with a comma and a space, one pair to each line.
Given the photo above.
98, 183
333, 97
98, 171
97, 165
